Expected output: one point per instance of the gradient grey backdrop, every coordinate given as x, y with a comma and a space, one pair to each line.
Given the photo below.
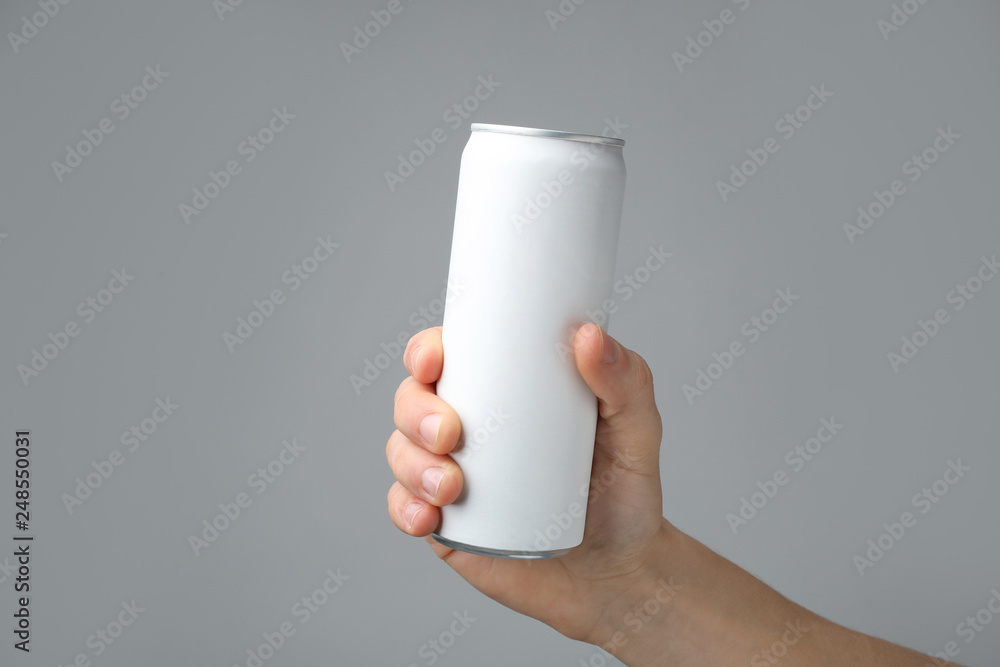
324, 176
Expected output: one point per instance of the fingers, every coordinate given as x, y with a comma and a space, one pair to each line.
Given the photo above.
425, 418
424, 481
410, 514
433, 478
623, 383
424, 355
419, 413
427, 429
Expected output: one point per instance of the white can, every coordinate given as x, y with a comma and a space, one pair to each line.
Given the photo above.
532, 260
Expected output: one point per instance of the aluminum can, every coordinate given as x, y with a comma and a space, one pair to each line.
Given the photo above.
533, 256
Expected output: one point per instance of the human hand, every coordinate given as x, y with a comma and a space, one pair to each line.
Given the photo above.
624, 529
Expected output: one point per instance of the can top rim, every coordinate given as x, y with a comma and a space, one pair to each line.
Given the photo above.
553, 134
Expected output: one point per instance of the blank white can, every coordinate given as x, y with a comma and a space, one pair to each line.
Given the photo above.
532, 259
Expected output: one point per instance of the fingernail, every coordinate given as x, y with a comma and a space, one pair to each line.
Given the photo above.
432, 480
415, 357
610, 349
412, 510
429, 427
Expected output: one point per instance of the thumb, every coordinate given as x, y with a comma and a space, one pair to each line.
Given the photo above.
629, 429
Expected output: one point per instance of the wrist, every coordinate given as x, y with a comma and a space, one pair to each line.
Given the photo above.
691, 606
650, 622
639, 622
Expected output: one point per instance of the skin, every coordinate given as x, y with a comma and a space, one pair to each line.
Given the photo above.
637, 586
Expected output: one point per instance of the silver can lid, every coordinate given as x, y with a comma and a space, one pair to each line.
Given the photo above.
552, 134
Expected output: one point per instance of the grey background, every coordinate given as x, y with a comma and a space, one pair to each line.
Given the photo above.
324, 175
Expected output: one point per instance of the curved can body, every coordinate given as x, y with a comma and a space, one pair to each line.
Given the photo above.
533, 257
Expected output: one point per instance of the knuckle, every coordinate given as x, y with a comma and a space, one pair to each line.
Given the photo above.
390, 498
401, 389
389, 447
414, 357
410, 351
399, 408
643, 374
394, 452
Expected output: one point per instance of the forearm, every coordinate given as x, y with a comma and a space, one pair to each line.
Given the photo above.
696, 608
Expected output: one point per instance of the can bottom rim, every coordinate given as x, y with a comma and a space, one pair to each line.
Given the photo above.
500, 553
